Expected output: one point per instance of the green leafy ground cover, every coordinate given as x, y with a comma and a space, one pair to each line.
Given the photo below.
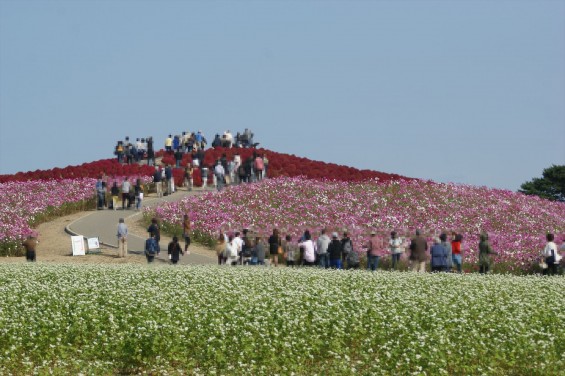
89, 319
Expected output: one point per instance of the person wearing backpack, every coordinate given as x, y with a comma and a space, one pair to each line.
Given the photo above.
150, 248
155, 231
552, 257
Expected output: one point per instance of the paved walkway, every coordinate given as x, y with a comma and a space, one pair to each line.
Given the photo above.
103, 224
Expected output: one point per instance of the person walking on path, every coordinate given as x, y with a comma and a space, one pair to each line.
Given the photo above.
174, 250
418, 248
126, 186
115, 192
155, 230
188, 182
158, 181
150, 248
169, 179
30, 245
122, 238
138, 189
322, 249
485, 250
186, 233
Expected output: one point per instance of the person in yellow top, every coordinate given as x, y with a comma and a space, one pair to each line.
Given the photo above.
169, 144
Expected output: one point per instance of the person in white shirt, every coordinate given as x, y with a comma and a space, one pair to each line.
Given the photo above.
220, 173
309, 250
227, 139
238, 242
551, 256
231, 251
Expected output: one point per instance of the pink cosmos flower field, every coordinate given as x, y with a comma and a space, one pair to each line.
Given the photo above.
516, 224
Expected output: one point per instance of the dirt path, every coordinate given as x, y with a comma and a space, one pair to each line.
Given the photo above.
55, 244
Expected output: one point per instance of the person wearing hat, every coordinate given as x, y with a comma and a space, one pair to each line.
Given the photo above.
335, 249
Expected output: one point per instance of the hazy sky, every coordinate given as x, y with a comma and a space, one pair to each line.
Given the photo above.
463, 91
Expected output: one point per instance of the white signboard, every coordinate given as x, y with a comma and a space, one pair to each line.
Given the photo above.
93, 243
78, 245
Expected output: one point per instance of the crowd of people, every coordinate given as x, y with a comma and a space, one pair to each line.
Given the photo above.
127, 151
443, 253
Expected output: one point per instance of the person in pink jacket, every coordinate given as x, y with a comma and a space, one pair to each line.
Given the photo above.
376, 248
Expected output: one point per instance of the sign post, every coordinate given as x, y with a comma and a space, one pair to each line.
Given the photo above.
77, 243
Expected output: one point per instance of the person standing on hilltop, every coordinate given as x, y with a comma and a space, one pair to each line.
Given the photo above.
122, 238
169, 144
150, 152
30, 245
178, 157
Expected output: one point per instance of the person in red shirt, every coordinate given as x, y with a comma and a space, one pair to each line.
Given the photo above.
456, 250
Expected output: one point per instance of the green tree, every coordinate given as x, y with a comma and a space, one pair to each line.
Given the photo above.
551, 186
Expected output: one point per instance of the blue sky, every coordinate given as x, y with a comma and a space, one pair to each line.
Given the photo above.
460, 91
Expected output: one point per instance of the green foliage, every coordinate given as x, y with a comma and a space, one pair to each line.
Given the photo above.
550, 186
262, 321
